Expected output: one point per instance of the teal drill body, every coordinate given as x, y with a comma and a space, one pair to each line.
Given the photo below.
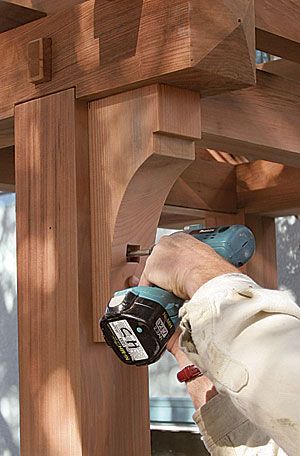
139, 321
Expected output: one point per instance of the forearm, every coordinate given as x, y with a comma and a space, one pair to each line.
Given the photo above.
246, 340
200, 389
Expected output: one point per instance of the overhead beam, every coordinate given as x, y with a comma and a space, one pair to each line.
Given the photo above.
182, 44
261, 122
277, 28
48, 6
281, 67
12, 16
268, 188
176, 217
7, 169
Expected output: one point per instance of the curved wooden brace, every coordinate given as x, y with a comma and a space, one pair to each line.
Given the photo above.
140, 142
141, 207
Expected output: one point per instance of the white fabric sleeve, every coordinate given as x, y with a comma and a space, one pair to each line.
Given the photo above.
227, 432
246, 339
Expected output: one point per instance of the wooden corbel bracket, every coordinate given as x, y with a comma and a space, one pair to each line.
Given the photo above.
140, 142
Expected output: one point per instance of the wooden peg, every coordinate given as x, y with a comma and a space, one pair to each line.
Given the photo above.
40, 60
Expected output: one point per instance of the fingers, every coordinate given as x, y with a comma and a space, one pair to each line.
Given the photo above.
133, 281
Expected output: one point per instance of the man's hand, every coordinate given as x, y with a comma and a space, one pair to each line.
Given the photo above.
181, 264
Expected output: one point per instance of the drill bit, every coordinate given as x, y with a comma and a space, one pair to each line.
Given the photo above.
140, 253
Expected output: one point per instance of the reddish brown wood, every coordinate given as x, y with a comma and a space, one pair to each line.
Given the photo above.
40, 60
12, 15
277, 28
260, 122
175, 45
71, 390
131, 175
263, 266
7, 169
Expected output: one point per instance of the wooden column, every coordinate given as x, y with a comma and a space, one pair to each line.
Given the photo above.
76, 398
263, 267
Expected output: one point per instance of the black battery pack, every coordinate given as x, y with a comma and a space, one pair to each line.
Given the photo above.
137, 329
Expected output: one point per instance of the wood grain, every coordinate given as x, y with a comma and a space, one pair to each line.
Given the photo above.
7, 132
206, 185
12, 16
260, 122
40, 60
161, 52
71, 390
177, 217
263, 266
277, 28
49, 345
48, 6
7, 169
281, 67
127, 153
267, 188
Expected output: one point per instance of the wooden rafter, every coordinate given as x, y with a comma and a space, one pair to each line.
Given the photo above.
268, 188
281, 67
277, 28
260, 122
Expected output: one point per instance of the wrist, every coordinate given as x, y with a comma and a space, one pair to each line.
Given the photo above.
198, 276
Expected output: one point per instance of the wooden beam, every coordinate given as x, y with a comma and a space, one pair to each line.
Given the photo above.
277, 22
171, 43
284, 68
260, 122
177, 217
205, 185
71, 390
12, 16
268, 188
7, 169
47, 6
7, 132
277, 28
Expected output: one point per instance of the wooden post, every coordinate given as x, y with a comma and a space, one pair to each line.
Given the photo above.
76, 398
263, 266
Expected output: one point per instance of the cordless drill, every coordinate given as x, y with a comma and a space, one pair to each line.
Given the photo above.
139, 321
